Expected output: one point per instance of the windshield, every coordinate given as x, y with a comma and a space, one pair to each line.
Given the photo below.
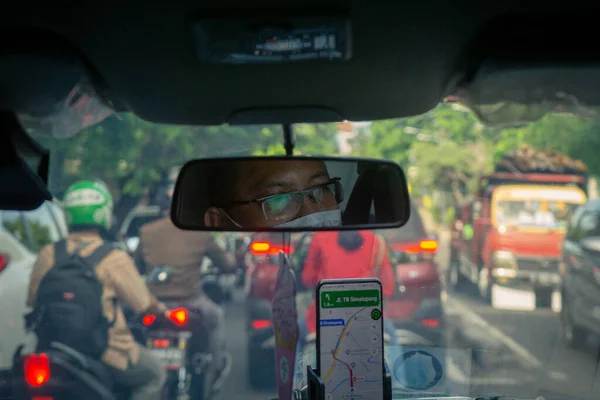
536, 207
487, 308
133, 230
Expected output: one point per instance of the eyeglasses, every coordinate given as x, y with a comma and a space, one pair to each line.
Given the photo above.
285, 206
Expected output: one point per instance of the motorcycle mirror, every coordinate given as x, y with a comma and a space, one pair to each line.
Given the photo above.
132, 244
160, 275
290, 194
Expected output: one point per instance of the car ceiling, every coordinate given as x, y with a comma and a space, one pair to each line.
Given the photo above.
406, 57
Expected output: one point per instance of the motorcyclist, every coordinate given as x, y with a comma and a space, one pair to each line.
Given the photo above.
347, 254
88, 208
162, 243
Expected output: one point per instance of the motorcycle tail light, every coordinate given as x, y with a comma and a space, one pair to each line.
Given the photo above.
161, 343
261, 323
37, 369
179, 316
148, 319
431, 322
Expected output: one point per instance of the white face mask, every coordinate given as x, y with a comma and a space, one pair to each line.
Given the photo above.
317, 220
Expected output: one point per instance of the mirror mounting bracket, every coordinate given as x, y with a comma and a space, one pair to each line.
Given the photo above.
289, 139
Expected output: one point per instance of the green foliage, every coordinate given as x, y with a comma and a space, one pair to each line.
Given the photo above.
16, 228
40, 235
446, 149
131, 154
449, 216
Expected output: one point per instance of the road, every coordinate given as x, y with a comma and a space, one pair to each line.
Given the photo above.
515, 353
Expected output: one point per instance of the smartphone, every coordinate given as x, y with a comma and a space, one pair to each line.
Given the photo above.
350, 340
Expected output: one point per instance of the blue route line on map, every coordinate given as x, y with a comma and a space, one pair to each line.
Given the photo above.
339, 384
371, 362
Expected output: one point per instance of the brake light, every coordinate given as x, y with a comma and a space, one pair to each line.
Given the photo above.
4, 259
260, 247
179, 316
261, 323
428, 246
264, 248
37, 369
431, 322
148, 319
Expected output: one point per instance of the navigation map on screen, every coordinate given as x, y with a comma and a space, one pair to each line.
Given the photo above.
351, 340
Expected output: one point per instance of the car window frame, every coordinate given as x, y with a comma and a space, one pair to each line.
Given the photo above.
26, 240
44, 208
573, 228
586, 234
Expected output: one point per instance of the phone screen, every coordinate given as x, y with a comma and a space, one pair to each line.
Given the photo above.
350, 339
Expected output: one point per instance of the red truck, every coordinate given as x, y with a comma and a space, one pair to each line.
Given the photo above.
511, 234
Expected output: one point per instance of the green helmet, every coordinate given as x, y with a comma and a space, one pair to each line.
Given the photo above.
88, 204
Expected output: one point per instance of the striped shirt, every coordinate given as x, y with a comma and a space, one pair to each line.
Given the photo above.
120, 279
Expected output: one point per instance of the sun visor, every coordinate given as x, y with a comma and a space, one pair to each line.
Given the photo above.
49, 87
503, 96
23, 167
521, 67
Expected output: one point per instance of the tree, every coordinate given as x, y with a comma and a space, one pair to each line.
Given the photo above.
311, 139
448, 149
133, 156
451, 167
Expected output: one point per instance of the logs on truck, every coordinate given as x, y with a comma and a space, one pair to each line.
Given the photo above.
527, 159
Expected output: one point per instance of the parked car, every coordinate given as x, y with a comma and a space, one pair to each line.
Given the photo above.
416, 308
22, 235
130, 229
579, 268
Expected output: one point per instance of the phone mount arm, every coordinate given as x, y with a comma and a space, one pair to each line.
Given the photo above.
315, 390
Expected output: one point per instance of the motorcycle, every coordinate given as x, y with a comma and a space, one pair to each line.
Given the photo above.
190, 371
63, 372
218, 286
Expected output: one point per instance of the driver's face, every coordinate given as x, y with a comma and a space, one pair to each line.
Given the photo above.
260, 179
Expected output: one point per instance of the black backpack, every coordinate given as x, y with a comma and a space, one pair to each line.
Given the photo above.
69, 302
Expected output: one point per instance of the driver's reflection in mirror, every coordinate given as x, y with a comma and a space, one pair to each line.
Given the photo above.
259, 194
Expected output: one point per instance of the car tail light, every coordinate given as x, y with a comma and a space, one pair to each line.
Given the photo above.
149, 319
261, 323
416, 252
265, 248
260, 248
179, 316
428, 246
424, 246
4, 259
37, 369
431, 322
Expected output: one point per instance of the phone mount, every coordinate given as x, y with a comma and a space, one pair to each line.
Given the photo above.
315, 389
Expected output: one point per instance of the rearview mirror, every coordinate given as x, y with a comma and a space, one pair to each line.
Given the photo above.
290, 194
